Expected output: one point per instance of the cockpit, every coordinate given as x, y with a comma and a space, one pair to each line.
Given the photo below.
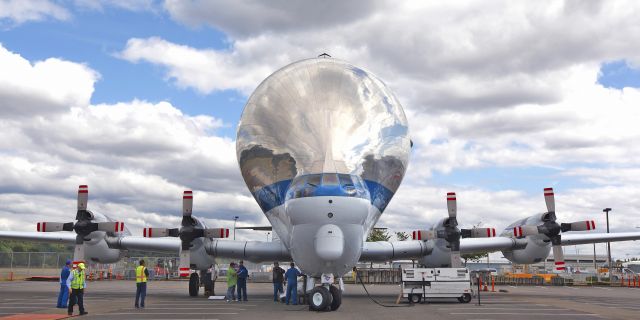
327, 184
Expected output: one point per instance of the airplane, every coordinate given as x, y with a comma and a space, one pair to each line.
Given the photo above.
322, 146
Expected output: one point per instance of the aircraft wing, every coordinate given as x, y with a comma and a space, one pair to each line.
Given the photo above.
254, 251
394, 250
53, 237
586, 238
168, 245
472, 245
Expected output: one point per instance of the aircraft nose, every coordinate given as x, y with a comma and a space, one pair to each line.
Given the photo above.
329, 242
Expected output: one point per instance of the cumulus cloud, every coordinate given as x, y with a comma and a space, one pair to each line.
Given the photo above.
15, 12
253, 17
44, 87
137, 157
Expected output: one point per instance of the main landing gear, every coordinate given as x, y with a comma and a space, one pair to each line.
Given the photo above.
194, 284
326, 297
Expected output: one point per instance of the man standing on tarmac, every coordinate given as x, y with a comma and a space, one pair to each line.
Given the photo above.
63, 296
278, 278
76, 283
141, 284
243, 274
292, 283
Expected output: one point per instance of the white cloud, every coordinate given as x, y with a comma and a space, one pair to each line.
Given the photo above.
17, 11
253, 17
137, 157
204, 70
42, 88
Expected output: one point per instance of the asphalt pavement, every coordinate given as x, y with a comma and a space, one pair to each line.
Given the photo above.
169, 300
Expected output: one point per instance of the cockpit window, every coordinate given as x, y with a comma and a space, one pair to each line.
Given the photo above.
327, 184
313, 180
345, 180
329, 179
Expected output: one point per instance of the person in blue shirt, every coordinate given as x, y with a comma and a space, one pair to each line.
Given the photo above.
63, 296
291, 277
243, 274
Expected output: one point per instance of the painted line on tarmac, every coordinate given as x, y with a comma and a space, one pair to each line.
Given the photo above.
532, 314
161, 313
532, 309
209, 308
26, 307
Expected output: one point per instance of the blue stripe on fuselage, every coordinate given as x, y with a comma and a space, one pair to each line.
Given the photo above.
274, 195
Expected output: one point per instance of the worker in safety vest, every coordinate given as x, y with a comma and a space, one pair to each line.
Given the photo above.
77, 283
141, 284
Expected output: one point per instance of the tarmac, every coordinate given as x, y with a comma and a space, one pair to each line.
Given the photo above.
169, 300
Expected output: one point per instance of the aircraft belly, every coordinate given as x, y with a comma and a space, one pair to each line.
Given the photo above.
327, 237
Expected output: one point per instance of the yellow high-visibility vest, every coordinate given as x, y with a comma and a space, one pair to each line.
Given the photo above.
140, 276
77, 282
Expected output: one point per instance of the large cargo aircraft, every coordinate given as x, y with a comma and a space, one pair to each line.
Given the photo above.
323, 146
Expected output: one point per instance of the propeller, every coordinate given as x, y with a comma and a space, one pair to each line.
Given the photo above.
552, 230
451, 234
83, 225
188, 232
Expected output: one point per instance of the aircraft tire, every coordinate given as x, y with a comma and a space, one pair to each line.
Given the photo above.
319, 299
336, 296
194, 284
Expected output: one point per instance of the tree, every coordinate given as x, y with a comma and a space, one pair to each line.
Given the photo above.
402, 236
475, 257
379, 235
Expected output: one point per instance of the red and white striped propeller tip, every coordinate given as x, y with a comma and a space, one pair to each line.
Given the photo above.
549, 199
83, 196
187, 203
451, 204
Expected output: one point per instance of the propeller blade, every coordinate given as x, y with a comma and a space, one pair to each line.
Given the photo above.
456, 262
549, 199
478, 233
185, 263
54, 226
157, 232
216, 233
111, 226
78, 251
523, 231
424, 235
83, 197
558, 258
578, 226
187, 203
451, 204
260, 228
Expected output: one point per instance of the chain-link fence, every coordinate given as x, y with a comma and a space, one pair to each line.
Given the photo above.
22, 265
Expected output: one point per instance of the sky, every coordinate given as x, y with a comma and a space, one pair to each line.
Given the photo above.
141, 99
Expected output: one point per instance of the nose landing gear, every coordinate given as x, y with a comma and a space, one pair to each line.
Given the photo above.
325, 297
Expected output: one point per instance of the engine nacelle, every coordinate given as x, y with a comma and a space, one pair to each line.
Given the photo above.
97, 250
535, 251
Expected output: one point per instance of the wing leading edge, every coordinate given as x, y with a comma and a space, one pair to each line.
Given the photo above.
53, 237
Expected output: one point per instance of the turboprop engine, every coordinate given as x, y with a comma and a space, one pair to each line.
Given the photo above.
92, 230
445, 238
542, 233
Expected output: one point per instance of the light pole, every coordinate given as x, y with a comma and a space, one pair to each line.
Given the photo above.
606, 210
235, 219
